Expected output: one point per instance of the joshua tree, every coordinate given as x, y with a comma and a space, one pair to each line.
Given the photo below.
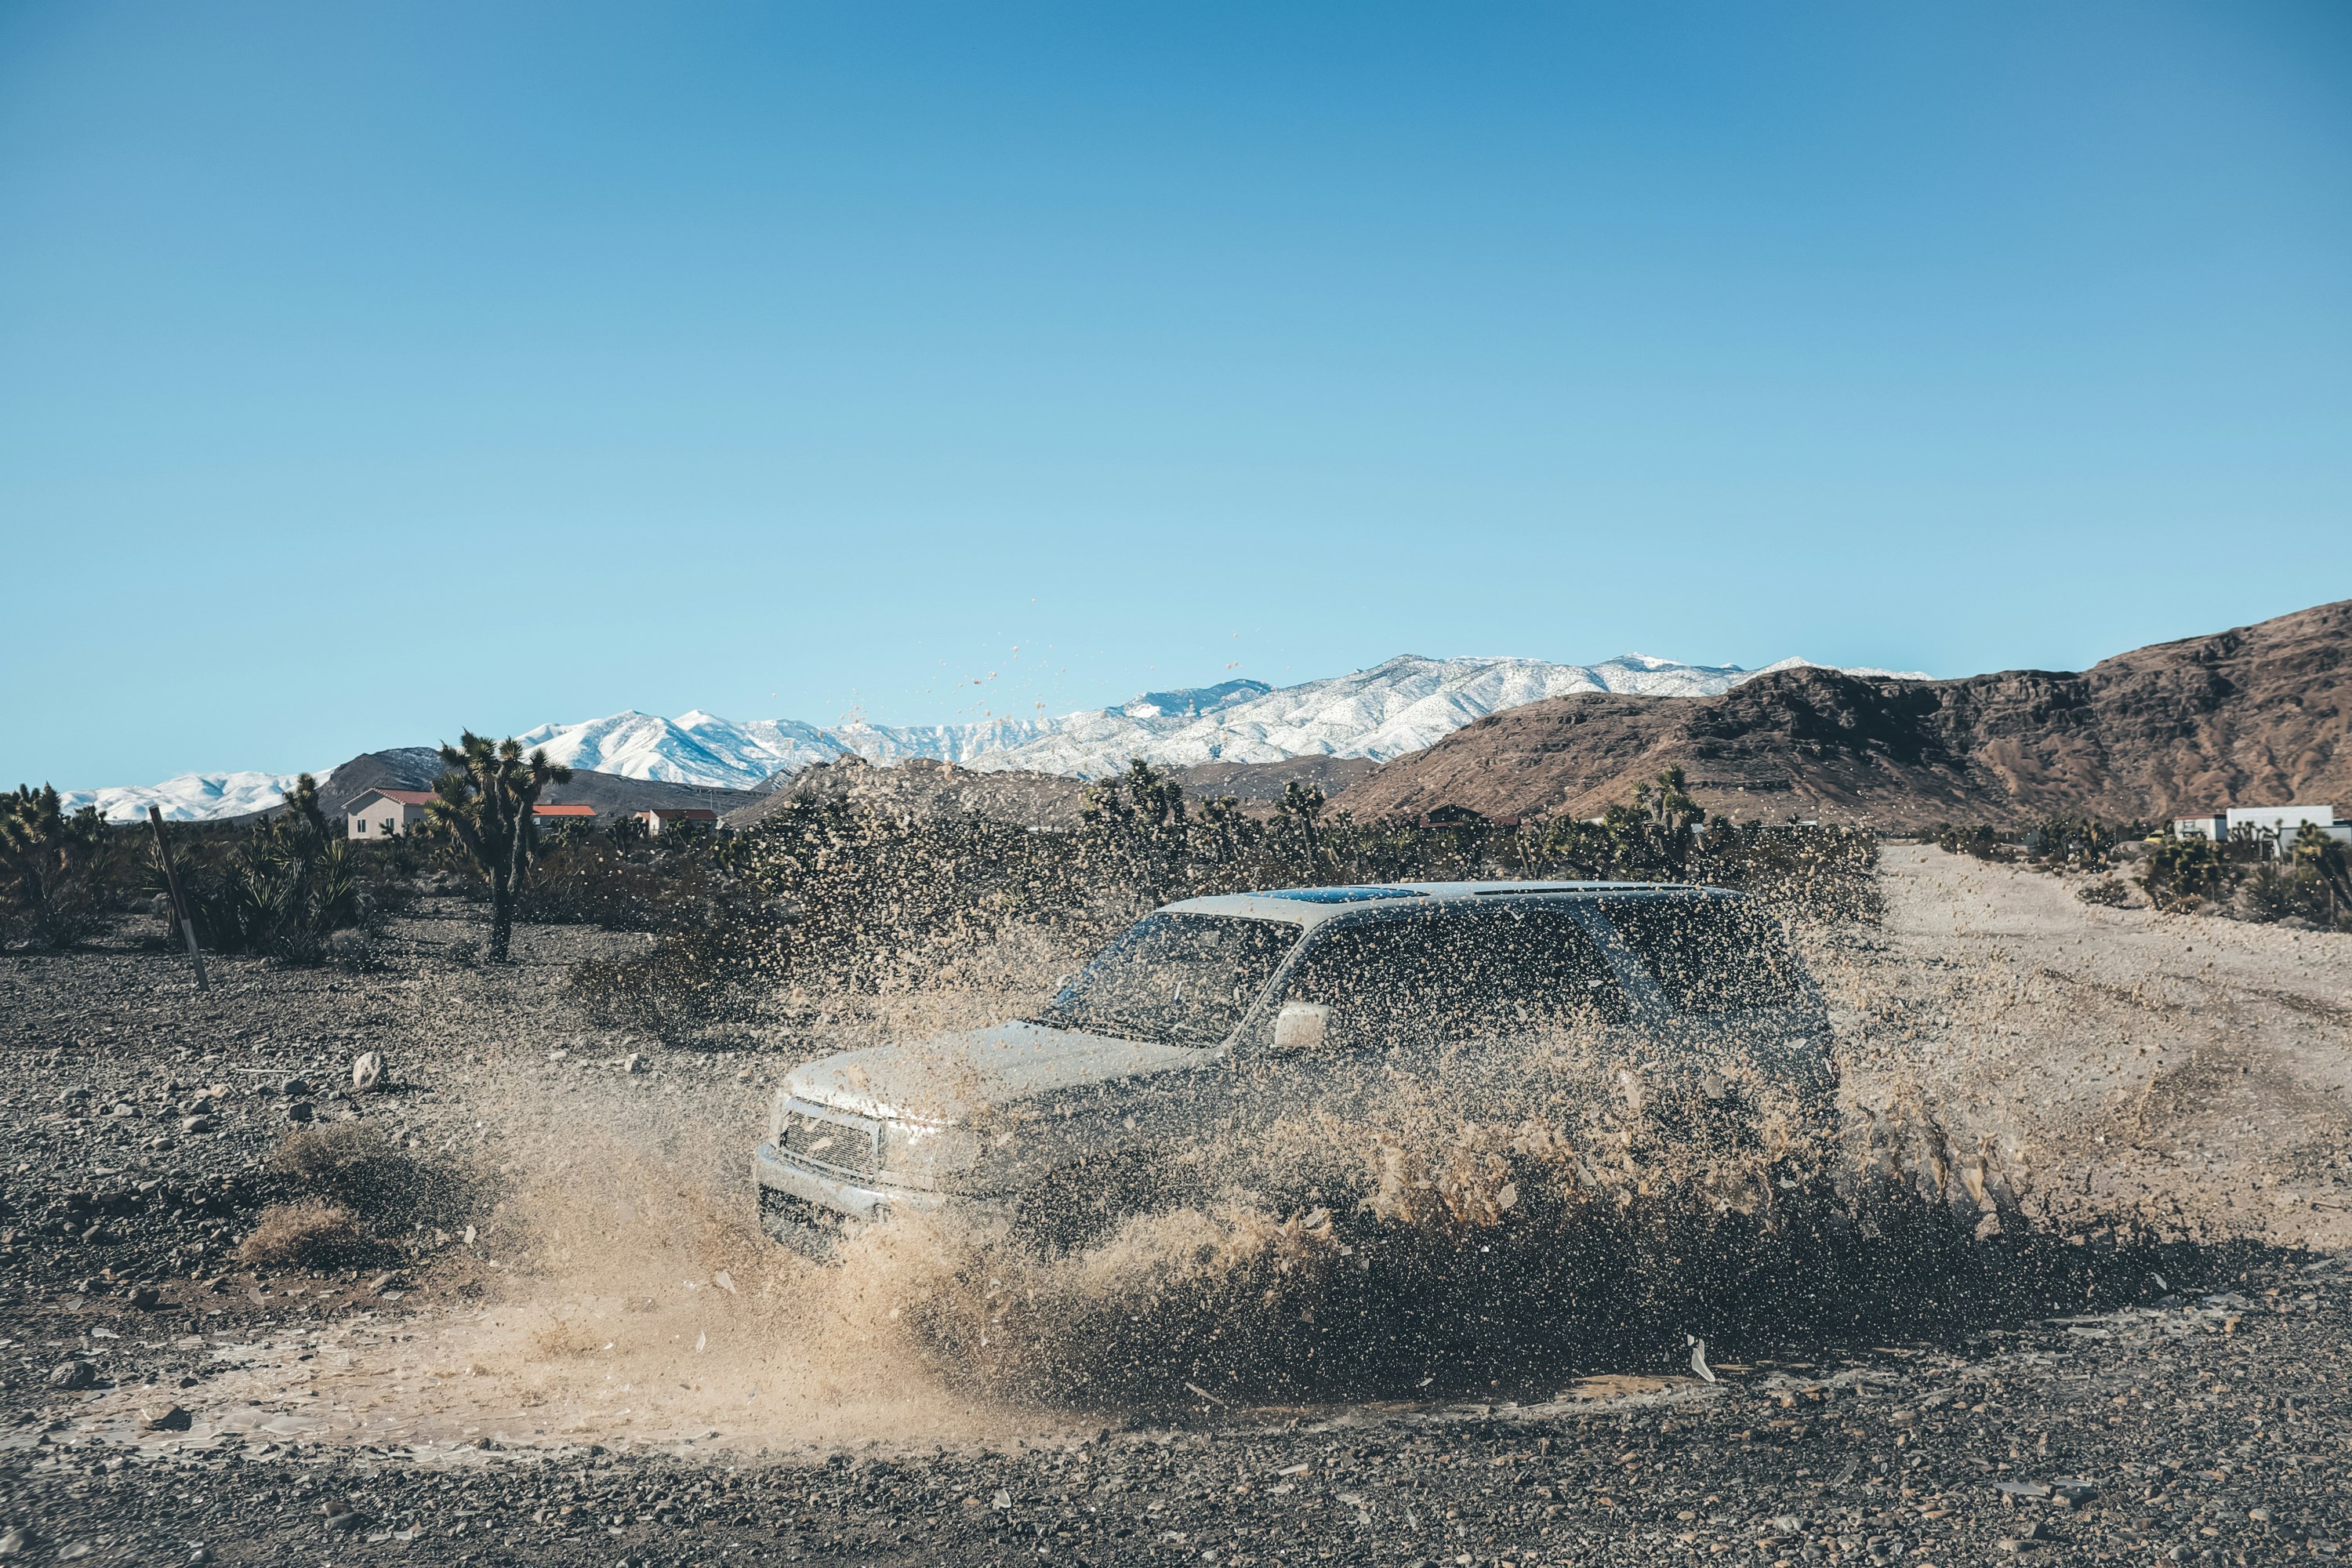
483, 801
1217, 815
1304, 802
48, 857
1159, 799
1103, 805
2323, 853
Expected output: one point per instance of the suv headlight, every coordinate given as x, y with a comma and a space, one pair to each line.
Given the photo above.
926, 1154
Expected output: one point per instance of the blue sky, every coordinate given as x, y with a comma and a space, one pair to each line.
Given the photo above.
369, 371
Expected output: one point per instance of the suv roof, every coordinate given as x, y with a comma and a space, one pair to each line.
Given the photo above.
1313, 906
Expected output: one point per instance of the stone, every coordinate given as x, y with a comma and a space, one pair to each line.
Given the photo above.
146, 1298
199, 1123
344, 1521
13, 1544
166, 1418
76, 1374
294, 1088
301, 1111
367, 1071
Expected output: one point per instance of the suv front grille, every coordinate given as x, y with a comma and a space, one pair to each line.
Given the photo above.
841, 1145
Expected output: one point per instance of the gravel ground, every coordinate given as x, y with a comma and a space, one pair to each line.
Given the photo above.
161, 1401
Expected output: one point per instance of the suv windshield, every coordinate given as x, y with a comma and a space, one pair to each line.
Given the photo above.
1174, 979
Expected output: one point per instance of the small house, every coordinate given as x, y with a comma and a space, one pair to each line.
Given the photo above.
663, 817
2212, 824
386, 812
559, 815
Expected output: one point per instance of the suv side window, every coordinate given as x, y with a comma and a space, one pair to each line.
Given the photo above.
1443, 978
1709, 956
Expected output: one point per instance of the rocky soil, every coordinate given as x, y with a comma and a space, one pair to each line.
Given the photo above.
450, 1391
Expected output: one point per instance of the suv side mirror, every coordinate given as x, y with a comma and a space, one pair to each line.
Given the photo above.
1300, 1027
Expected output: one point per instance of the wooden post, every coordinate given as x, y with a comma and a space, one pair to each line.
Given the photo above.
179, 904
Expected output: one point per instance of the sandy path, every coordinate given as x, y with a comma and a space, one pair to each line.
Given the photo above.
2127, 1058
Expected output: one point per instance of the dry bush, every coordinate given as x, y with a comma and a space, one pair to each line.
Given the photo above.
308, 1233
353, 1165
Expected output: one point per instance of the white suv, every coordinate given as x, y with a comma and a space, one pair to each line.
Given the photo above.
1212, 1010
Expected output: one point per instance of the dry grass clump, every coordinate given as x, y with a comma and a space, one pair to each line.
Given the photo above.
351, 1164
334, 1158
308, 1234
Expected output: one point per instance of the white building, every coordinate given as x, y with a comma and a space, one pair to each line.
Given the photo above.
2278, 825
663, 817
386, 812
2275, 825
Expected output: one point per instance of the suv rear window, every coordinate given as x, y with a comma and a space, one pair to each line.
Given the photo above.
1709, 956
1442, 978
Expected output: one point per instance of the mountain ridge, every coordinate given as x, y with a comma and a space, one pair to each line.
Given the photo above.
1398, 705
2254, 715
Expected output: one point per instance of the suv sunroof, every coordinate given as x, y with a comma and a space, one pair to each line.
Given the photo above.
1340, 895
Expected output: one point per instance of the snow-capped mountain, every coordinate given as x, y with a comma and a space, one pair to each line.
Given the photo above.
1393, 708
190, 797
1385, 712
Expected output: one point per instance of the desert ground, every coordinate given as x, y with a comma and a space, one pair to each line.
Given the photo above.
572, 1346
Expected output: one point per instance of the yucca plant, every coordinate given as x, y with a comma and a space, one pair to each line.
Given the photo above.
282, 889
483, 801
299, 884
51, 860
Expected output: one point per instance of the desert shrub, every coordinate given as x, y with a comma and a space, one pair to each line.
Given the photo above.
356, 1170
2181, 873
2275, 891
53, 867
1978, 842
305, 1234
2062, 843
1816, 874
280, 888
2107, 892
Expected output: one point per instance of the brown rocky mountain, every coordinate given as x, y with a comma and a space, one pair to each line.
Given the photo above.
2255, 716
1259, 786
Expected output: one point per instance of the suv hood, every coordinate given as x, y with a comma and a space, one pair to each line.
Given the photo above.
954, 1077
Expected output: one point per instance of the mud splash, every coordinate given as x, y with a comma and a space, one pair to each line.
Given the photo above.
1411, 1250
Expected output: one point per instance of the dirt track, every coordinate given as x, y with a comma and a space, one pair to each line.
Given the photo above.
578, 1383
